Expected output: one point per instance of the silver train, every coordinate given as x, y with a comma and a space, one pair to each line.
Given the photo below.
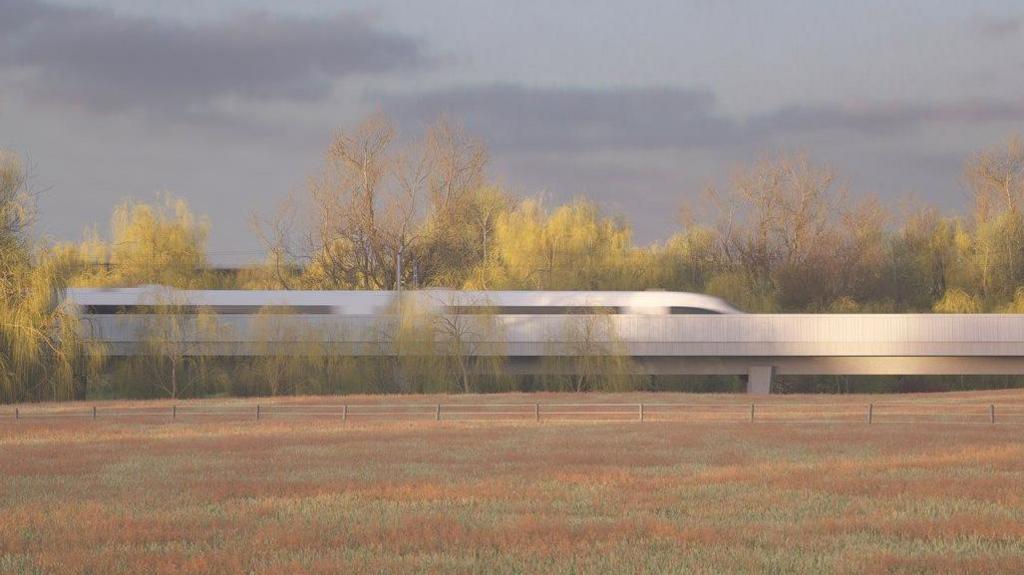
663, 332
239, 322
93, 302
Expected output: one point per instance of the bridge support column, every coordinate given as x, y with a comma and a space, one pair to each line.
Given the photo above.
759, 379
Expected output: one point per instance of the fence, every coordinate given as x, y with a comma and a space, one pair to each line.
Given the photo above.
868, 413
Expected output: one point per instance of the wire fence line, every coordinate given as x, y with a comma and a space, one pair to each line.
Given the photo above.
869, 413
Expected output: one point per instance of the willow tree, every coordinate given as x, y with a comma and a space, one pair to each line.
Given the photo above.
282, 344
994, 256
175, 342
586, 353
160, 243
957, 300
927, 256
573, 247
685, 262
471, 342
40, 347
1017, 304
409, 339
296, 355
42, 356
460, 239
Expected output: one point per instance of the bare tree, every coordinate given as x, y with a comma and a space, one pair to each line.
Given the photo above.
996, 179
16, 216
460, 209
383, 216
276, 233
777, 218
344, 236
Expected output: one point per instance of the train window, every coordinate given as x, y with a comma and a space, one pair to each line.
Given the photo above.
684, 310
533, 310
565, 310
154, 309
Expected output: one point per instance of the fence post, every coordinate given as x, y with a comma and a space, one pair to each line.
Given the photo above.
437, 414
536, 411
641, 413
17, 415
94, 412
174, 412
344, 412
992, 412
257, 412
751, 412
871, 413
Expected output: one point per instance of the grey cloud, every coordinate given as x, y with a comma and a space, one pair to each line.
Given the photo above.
881, 119
96, 58
512, 117
18, 14
999, 27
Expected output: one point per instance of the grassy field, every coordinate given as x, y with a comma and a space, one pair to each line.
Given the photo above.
322, 496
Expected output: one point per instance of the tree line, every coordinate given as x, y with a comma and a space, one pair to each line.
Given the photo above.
384, 212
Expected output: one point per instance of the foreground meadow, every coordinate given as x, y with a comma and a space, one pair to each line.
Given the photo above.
324, 496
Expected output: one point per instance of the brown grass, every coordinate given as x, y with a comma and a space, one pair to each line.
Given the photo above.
320, 496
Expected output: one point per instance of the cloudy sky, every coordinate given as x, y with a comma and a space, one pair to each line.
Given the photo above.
231, 103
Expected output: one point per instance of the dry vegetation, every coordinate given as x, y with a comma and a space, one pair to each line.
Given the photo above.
318, 495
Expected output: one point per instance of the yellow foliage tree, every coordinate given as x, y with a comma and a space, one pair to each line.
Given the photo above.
685, 262
574, 247
1017, 305
40, 348
958, 301
163, 243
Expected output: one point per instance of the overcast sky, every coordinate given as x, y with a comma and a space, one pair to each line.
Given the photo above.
638, 105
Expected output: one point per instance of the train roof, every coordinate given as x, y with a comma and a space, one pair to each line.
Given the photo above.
150, 295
